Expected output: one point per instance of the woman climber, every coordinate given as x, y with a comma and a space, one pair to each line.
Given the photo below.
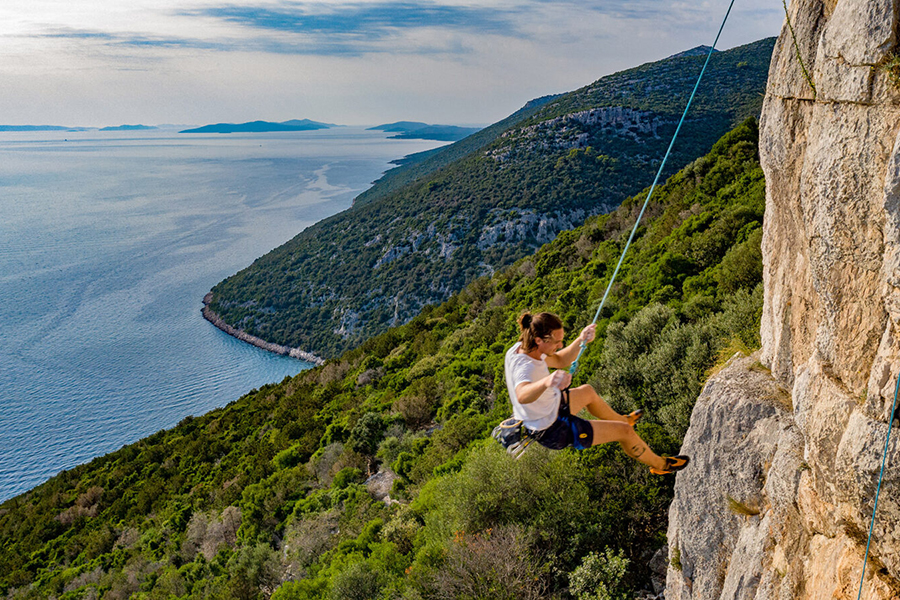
547, 407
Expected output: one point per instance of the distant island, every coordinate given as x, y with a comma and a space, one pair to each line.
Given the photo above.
261, 127
399, 127
42, 128
128, 128
413, 130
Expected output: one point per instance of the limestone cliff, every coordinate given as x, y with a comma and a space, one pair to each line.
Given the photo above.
787, 444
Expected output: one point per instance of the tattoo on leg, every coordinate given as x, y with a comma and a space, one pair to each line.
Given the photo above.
637, 450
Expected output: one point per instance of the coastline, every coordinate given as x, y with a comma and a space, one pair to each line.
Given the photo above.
297, 353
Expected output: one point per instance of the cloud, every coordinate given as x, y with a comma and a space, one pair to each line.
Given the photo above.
368, 21
384, 27
347, 30
128, 39
76, 34
356, 28
315, 46
664, 13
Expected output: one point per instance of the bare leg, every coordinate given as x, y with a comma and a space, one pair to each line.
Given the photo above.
584, 396
632, 444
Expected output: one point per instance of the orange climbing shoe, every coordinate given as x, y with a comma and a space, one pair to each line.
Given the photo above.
673, 463
633, 417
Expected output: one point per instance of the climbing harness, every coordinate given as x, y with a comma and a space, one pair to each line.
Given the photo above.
513, 436
662, 165
878, 490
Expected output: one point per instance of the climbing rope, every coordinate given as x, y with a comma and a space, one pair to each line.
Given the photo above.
878, 490
662, 165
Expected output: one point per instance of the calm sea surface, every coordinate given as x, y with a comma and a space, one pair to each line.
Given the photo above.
108, 242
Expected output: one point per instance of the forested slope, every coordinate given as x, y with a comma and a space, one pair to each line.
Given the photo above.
422, 164
376, 265
267, 497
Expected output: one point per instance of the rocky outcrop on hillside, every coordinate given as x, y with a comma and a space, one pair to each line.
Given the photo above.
779, 502
574, 130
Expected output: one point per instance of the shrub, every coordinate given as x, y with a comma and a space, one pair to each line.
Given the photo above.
360, 581
659, 363
445, 443
409, 452
741, 268
621, 376
599, 577
324, 461
207, 532
543, 492
346, 476
417, 406
401, 529
740, 316
253, 570
458, 402
389, 449
290, 457
305, 589
366, 435
306, 539
369, 377
427, 366
498, 564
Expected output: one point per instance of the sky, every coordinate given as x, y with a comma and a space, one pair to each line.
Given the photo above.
363, 62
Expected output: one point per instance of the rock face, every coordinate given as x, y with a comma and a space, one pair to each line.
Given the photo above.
788, 444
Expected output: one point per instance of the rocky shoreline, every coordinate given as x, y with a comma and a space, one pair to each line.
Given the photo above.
297, 353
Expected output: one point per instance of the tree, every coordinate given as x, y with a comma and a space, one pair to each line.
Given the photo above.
365, 437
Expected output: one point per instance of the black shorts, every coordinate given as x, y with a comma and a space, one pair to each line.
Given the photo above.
567, 430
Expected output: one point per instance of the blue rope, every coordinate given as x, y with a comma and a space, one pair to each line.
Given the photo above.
662, 165
878, 491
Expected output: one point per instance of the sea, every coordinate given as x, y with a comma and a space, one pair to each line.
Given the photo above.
108, 242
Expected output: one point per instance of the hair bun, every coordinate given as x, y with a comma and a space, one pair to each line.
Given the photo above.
525, 321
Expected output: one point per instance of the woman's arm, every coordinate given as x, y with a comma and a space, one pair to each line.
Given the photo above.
565, 357
528, 392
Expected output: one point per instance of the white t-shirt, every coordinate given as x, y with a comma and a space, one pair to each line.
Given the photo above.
521, 368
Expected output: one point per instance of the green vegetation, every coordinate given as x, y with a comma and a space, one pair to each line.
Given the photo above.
507, 190
741, 508
267, 497
421, 164
891, 66
675, 558
806, 75
599, 577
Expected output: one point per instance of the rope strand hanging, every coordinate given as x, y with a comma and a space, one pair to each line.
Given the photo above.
662, 165
887, 441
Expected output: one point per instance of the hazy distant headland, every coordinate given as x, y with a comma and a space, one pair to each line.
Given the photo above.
414, 130
68, 128
129, 128
261, 127
404, 130
43, 128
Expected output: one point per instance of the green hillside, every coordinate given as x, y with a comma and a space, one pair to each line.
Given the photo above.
266, 497
425, 163
376, 265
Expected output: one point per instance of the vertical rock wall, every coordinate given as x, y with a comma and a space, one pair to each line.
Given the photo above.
796, 525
